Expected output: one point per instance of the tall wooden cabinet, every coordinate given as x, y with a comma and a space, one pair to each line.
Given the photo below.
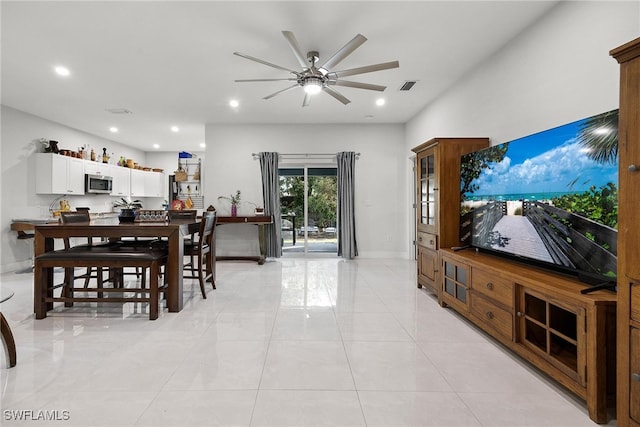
437, 203
628, 324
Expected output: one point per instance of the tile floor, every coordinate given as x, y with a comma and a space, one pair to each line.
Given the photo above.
295, 342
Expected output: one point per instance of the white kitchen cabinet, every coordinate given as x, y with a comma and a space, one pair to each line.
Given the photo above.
154, 184
138, 183
147, 183
96, 168
121, 181
58, 174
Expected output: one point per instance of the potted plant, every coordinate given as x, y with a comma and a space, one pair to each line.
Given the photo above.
127, 209
257, 210
234, 200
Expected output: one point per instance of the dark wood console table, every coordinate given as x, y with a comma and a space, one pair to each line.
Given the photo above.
261, 221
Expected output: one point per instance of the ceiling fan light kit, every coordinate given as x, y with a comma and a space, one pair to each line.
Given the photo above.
313, 85
318, 79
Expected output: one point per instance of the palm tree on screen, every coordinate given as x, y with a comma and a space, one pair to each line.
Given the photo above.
600, 135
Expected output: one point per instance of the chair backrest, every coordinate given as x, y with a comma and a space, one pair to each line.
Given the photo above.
68, 217
207, 228
74, 217
182, 214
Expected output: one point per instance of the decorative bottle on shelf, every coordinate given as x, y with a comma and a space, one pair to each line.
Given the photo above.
234, 210
93, 155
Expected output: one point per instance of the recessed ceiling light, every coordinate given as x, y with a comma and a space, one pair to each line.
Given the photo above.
113, 129
175, 129
234, 103
203, 145
380, 102
62, 71
156, 146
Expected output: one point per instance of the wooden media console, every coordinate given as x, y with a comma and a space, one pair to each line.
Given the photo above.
540, 315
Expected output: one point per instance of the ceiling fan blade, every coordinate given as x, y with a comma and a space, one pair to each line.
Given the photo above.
307, 100
337, 95
295, 47
280, 91
363, 70
357, 85
346, 50
269, 64
265, 80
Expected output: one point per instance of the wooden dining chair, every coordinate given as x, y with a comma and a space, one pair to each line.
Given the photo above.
83, 217
202, 248
79, 217
188, 214
174, 214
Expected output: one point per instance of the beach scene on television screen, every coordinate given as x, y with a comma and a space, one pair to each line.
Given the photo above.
550, 197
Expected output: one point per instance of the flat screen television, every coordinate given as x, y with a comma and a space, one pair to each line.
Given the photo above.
548, 199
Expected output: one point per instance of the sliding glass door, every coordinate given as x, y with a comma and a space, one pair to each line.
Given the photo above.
308, 200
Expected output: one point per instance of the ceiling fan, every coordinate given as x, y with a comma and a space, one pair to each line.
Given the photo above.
315, 79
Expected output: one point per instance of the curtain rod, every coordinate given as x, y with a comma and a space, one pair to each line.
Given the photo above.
303, 155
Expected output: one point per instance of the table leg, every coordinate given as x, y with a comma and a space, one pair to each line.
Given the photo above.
263, 245
173, 270
42, 277
42, 287
8, 342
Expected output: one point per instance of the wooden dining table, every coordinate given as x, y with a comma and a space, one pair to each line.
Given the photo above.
110, 228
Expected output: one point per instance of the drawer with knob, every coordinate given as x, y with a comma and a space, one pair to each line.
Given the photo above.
486, 312
427, 240
492, 286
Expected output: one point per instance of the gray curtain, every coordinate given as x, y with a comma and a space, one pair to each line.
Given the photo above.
271, 198
347, 246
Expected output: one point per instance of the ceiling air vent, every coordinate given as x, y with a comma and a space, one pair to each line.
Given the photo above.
408, 85
119, 111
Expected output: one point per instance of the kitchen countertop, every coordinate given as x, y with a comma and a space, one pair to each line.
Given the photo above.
45, 220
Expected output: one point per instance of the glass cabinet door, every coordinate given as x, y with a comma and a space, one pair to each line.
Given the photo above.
554, 330
427, 192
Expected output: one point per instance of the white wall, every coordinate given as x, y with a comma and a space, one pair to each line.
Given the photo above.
380, 172
20, 132
556, 72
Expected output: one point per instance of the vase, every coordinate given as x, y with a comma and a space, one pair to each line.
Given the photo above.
127, 215
234, 210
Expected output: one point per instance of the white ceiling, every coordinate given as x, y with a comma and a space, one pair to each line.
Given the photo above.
172, 62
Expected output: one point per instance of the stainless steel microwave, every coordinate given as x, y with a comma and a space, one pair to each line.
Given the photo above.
98, 184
